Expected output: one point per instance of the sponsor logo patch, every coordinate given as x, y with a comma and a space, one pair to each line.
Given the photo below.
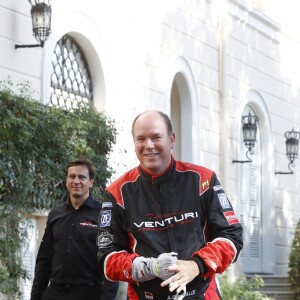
163, 222
230, 217
191, 293
205, 183
148, 295
105, 218
187, 295
88, 224
217, 187
107, 204
104, 239
224, 201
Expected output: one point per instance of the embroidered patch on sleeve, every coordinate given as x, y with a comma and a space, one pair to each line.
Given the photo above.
224, 201
217, 187
105, 239
105, 218
230, 217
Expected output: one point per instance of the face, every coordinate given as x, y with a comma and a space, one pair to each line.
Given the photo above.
78, 182
153, 144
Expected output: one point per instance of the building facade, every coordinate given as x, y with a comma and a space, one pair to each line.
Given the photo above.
205, 63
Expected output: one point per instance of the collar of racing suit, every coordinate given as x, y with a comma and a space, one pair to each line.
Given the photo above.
160, 178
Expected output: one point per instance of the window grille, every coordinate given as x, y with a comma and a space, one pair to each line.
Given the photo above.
71, 83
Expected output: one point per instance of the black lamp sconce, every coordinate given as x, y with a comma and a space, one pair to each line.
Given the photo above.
41, 22
292, 143
249, 128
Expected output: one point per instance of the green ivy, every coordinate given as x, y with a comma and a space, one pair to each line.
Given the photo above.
242, 288
36, 143
294, 264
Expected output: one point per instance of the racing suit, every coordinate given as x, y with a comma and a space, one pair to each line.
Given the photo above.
184, 210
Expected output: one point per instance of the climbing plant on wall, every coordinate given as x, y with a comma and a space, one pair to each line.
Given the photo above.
36, 142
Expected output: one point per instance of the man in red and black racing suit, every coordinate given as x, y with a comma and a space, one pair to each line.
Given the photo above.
147, 216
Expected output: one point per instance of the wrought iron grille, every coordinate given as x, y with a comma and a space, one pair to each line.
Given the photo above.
71, 83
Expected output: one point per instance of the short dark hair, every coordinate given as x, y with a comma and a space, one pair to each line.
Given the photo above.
166, 118
83, 162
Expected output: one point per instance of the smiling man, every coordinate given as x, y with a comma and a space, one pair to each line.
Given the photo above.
153, 141
167, 226
67, 257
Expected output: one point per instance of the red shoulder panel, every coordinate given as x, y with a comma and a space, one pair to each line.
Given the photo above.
204, 173
116, 187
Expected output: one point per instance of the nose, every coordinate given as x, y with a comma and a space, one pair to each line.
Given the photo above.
149, 144
76, 180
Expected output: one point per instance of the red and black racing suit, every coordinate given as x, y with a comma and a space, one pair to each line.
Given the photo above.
184, 210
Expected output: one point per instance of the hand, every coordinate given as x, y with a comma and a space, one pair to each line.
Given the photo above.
143, 268
185, 272
147, 268
164, 261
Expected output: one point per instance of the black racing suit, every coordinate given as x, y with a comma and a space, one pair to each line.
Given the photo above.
185, 210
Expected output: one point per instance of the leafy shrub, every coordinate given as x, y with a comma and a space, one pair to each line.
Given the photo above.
36, 143
294, 263
242, 288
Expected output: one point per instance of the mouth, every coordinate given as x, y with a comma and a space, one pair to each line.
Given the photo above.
76, 188
150, 155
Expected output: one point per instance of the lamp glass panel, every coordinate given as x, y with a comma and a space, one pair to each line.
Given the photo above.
292, 146
249, 132
252, 133
292, 150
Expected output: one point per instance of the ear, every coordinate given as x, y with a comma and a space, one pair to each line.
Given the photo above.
91, 183
172, 140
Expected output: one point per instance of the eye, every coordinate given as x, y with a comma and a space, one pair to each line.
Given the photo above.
139, 139
156, 138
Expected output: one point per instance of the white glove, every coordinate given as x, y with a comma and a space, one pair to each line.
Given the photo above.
163, 262
147, 268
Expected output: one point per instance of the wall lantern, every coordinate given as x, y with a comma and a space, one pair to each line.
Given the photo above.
292, 143
249, 128
41, 22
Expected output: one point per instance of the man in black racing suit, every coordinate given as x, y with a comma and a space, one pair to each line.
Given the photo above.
166, 226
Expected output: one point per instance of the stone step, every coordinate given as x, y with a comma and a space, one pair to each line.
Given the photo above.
276, 287
283, 287
279, 295
274, 279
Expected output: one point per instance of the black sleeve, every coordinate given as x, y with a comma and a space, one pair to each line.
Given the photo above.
43, 265
109, 290
222, 221
111, 237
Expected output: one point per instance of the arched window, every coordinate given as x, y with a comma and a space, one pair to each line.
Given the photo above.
183, 112
71, 82
250, 201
